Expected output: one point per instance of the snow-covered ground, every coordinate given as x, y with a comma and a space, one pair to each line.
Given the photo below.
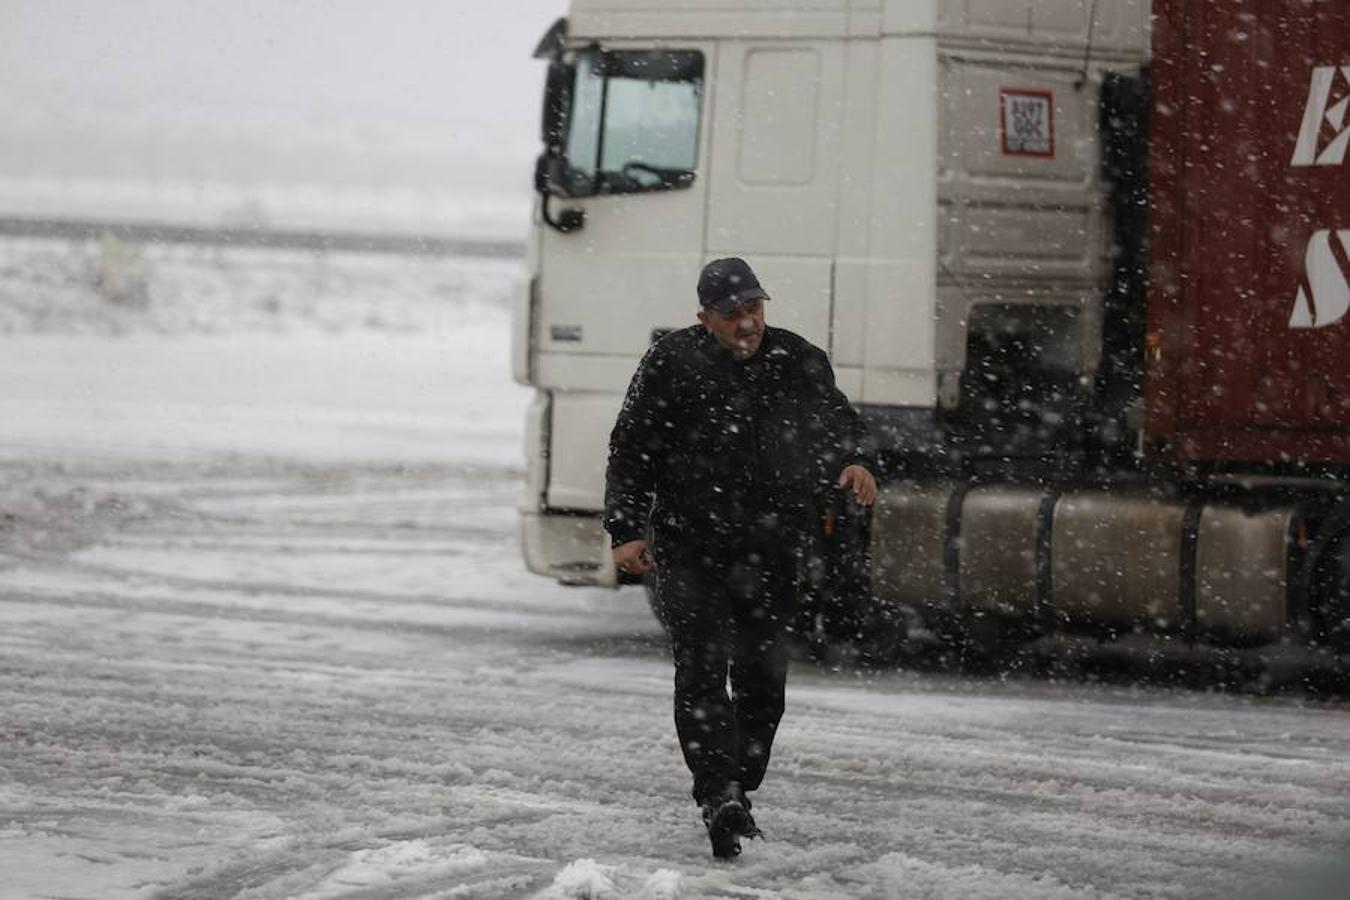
265, 633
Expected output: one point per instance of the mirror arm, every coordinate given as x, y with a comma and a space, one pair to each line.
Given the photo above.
568, 220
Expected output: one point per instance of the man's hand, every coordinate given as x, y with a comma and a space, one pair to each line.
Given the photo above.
860, 481
634, 557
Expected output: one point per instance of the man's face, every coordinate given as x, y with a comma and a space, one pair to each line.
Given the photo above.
740, 330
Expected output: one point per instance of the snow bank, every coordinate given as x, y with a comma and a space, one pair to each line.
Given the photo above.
76, 287
323, 207
267, 353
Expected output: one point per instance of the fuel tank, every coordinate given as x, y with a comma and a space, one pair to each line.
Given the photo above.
1109, 562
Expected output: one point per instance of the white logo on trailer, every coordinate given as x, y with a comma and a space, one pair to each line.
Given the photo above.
1324, 298
1320, 110
1327, 297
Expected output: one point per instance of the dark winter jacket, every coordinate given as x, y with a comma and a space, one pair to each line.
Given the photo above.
711, 447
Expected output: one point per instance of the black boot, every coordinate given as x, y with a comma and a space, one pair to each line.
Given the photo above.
727, 818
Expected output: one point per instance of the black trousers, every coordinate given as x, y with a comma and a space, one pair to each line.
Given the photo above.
727, 612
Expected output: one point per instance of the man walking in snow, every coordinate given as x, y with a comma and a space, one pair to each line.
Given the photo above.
730, 436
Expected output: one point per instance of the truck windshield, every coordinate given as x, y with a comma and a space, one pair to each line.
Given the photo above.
633, 123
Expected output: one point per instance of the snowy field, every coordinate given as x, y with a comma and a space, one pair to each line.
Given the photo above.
265, 633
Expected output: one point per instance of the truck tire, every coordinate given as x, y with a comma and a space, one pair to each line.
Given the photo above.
842, 616
1328, 580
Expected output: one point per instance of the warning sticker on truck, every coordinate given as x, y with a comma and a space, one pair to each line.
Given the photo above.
1027, 122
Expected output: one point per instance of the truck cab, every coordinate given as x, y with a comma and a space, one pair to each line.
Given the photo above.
917, 183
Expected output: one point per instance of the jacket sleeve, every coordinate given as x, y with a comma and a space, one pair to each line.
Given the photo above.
636, 445
847, 437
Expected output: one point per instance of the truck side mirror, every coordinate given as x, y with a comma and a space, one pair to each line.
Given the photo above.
550, 169
557, 99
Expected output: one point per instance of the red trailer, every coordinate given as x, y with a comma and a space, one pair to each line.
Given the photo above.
1247, 350
1248, 344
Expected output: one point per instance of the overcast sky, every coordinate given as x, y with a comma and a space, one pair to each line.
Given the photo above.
157, 88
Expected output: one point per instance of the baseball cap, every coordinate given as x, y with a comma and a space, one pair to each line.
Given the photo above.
727, 283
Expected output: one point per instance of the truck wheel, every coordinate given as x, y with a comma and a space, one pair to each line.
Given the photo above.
884, 635
864, 631
1329, 594
992, 643
846, 611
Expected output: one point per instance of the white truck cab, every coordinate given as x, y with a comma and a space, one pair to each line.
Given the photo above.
912, 180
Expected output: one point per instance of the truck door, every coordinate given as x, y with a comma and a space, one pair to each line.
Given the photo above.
775, 172
634, 165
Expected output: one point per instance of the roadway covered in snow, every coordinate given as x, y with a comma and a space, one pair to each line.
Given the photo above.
265, 633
